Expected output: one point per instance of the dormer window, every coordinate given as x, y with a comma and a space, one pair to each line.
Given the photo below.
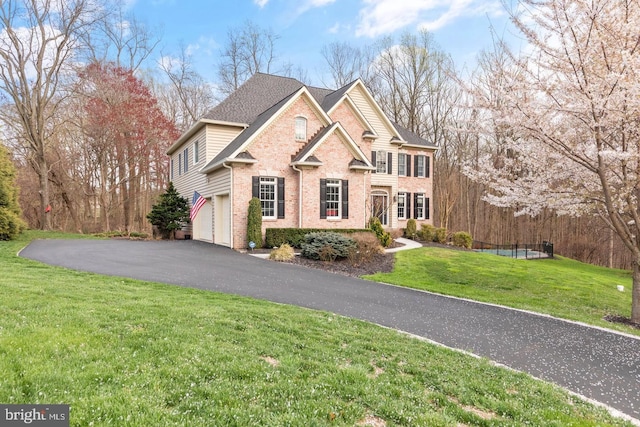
301, 129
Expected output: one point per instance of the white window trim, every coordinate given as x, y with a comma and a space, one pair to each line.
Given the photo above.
272, 182
334, 183
421, 197
402, 196
300, 137
381, 159
404, 163
424, 162
196, 152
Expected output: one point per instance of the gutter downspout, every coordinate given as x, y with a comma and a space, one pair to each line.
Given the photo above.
299, 195
226, 166
364, 186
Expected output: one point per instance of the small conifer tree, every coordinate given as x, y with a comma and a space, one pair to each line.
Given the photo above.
10, 222
171, 212
254, 222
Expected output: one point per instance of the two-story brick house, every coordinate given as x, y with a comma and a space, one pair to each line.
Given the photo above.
316, 158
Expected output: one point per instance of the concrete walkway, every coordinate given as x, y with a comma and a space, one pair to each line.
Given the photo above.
601, 365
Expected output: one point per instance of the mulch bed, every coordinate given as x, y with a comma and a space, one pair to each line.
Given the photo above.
382, 263
621, 319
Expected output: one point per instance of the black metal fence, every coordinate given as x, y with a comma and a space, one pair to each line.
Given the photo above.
516, 250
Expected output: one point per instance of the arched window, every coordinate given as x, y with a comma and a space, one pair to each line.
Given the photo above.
301, 128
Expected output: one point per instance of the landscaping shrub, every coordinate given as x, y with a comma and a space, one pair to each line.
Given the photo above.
171, 212
427, 232
274, 237
383, 237
440, 235
326, 246
283, 253
367, 246
411, 230
462, 239
254, 222
10, 223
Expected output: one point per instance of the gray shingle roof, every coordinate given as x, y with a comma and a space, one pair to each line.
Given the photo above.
260, 97
254, 97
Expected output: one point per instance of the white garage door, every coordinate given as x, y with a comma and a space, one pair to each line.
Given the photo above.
203, 224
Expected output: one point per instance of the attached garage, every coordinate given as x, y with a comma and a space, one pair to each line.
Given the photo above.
202, 226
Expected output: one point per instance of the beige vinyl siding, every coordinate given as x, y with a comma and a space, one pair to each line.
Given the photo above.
218, 137
380, 144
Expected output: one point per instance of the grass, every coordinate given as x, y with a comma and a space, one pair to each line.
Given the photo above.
560, 287
133, 353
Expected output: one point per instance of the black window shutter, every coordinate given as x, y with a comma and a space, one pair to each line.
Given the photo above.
426, 207
408, 164
415, 206
426, 166
323, 199
280, 198
415, 165
389, 162
255, 186
345, 199
407, 208
373, 160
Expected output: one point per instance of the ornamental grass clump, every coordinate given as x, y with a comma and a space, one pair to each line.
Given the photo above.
366, 248
326, 246
283, 253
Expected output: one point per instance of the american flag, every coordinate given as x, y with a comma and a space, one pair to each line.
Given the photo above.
196, 203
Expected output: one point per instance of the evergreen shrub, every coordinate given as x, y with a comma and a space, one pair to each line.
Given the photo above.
326, 246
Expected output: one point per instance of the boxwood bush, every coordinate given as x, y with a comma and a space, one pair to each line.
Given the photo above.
274, 237
327, 246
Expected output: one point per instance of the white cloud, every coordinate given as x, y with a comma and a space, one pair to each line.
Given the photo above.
261, 3
379, 17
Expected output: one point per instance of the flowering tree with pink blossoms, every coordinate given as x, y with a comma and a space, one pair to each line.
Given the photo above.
563, 117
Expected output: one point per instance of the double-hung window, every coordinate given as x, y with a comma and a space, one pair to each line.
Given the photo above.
196, 152
171, 171
268, 197
301, 129
402, 205
421, 166
179, 164
381, 162
402, 164
186, 160
334, 198
418, 206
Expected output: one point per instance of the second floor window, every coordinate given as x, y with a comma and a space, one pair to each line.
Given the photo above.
301, 129
381, 162
186, 160
196, 152
402, 164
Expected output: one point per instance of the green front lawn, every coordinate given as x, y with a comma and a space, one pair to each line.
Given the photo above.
133, 353
560, 287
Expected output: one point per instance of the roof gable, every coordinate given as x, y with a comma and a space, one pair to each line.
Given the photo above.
261, 122
307, 153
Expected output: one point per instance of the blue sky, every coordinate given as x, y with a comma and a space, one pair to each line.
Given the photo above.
460, 27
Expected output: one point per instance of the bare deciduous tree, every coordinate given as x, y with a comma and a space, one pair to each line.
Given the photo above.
38, 43
187, 96
249, 49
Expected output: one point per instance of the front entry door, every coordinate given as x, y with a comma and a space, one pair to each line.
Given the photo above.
380, 208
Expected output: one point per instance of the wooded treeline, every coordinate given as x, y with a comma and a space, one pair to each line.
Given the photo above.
89, 140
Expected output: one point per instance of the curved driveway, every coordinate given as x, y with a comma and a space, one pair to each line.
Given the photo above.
600, 365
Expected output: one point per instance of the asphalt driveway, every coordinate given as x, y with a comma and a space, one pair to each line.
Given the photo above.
600, 365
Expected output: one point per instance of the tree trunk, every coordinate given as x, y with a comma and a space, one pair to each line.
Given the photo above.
635, 292
43, 172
